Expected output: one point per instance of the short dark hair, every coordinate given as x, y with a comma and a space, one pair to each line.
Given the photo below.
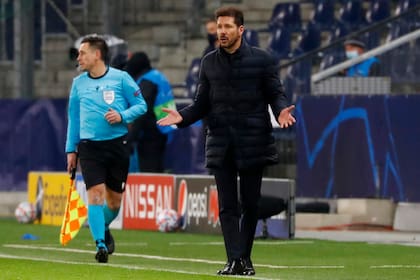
138, 63
355, 42
234, 12
99, 43
210, 20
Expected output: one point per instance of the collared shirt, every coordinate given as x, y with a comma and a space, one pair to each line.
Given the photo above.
90, 99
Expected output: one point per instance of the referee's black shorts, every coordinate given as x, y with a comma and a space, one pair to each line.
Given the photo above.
105, 162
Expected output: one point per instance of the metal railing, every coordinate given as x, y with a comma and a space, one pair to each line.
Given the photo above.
373, 27
377, 51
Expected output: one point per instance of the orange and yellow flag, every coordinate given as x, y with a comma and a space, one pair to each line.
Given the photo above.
74, 215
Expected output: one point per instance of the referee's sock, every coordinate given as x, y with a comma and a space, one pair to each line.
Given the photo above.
97, 223
109, 215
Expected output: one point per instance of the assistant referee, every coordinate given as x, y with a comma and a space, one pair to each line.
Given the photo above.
103, 100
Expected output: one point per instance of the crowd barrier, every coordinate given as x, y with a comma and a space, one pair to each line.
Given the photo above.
194, 197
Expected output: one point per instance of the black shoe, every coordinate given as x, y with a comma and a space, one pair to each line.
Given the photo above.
248, 268
102, 255
109, 241
232, 268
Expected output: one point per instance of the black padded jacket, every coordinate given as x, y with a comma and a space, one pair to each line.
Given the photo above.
233, 93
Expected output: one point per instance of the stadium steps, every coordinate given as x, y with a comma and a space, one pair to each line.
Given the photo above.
350, 213
407, 217
9, 201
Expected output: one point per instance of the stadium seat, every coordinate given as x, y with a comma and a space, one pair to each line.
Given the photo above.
371, 39
287, 15
323, 14
413, 20
378, 10
339, 30
300, 73
396, 61
413, 65
398, 29
310, 38
279, 42
405, 5
352, 14
395, 64
251, 36
192, 77
331, 58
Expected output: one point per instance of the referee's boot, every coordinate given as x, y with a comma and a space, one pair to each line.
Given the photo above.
109, 241
233, 267
101, 252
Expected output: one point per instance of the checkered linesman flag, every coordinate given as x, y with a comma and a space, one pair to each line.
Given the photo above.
75, 213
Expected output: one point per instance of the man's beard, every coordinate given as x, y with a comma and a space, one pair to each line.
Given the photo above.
230, 44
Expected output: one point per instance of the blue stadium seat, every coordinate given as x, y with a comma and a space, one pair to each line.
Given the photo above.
279, 42
398, 29
287, 15
331, 58
310, 38
352, 14
371, 39
395, 61
412, 20
192, 77
395, 64
405, 5
378, 10
251, 36
413, 65
300, 72
339, 30
323, 14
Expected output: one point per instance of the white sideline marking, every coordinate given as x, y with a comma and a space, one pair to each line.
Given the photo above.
255, 242
140, 244
135, 267
392, 266
132, 267
130, 244
18, 246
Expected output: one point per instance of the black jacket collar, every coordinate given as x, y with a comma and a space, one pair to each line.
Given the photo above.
244, 49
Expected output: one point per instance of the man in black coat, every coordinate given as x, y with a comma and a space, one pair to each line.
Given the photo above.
237, 82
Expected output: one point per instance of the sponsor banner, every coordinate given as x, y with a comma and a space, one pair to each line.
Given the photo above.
197, 203
48, 191
144, 197
81, 189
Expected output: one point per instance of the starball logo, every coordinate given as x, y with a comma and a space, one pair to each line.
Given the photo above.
194, 207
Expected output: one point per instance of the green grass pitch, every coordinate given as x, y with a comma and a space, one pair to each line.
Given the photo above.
155, 255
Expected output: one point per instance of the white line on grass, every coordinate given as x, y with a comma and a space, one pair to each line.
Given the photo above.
255, 242
130, 244
18, 246
132, 267
392, 266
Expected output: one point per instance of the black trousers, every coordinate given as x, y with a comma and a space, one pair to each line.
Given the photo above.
238, 213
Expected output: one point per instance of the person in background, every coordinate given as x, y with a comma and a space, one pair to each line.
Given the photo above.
211, 29
149, 139
366, 68
237, 83
103, 100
